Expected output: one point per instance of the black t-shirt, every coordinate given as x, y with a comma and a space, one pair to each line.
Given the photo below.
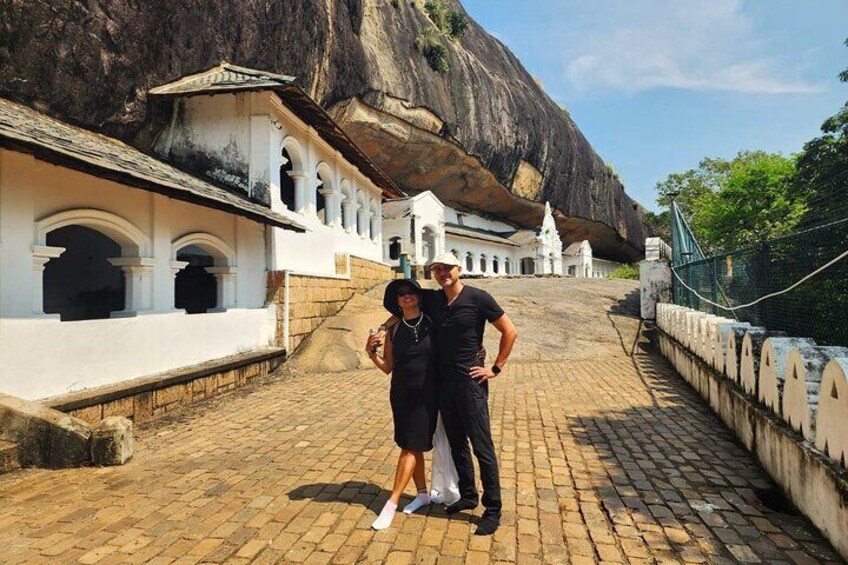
460, 327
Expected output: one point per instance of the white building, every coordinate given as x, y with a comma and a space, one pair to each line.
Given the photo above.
577, 261
262, 133
423, 227
115, 264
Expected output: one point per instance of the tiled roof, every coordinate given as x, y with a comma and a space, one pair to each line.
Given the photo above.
573, 249
231, 78
482, 235
395, 208
28, 131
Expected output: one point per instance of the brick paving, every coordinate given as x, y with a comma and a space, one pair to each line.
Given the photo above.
607, 460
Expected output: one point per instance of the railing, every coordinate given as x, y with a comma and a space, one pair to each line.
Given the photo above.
758, 284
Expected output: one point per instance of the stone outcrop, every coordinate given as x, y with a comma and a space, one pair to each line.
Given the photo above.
483, 135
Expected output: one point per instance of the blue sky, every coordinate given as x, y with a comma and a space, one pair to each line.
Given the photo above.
657, 85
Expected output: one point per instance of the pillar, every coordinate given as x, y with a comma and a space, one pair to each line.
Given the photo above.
138, 282
176, 267
300, 203
226, 277
41, 254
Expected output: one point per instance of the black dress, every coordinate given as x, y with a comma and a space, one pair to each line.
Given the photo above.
413, 394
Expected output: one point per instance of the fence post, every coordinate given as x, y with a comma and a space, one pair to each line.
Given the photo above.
714, 284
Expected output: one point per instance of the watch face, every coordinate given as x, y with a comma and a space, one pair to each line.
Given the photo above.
496, 370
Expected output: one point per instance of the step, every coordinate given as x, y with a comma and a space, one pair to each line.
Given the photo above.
9, 458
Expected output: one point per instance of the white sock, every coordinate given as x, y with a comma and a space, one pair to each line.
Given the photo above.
423, 499
384, 520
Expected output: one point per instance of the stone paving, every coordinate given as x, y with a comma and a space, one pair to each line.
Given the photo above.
605, 460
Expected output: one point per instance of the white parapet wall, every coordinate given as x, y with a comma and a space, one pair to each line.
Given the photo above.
751, 377
47, 357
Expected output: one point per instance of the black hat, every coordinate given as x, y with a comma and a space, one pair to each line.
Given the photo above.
390, 297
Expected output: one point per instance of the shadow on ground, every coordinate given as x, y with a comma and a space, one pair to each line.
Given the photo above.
365, 494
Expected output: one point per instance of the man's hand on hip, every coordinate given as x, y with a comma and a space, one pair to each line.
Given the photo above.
481, 374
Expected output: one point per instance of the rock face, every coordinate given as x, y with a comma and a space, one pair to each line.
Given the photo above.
482, 136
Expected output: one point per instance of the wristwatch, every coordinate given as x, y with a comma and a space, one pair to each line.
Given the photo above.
496, 370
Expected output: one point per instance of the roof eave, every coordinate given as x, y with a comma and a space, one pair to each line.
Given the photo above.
60, 158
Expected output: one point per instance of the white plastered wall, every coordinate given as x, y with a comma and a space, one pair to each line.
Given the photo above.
41, 356
250, 130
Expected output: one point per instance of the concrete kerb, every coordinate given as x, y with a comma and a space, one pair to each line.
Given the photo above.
52, 439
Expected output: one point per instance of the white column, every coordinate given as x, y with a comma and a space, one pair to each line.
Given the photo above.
378, 236
226, 277
176, 267
138, 282
329, 206
41, 254
338, 220
300, 201
362, 216
349, 206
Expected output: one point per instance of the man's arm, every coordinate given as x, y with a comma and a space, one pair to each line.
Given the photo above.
508, 336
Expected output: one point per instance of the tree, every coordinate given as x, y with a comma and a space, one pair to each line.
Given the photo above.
658, 225
735, 202
686, 187
822, 169
755, 202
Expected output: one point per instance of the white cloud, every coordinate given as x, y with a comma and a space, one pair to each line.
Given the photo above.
689, 45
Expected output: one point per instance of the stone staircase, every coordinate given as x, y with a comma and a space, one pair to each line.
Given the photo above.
9, 457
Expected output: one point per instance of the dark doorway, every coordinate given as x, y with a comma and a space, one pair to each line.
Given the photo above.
196, 290
286, 182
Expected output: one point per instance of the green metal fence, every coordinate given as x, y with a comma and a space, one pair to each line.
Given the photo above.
818, 308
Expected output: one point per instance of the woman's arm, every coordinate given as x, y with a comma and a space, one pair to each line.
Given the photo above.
384, 363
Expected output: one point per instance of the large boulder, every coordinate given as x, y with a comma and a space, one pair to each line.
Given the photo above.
483, 135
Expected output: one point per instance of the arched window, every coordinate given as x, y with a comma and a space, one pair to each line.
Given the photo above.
469, 262
483, 263
81, 284
495, 265
286, 181
507, 266
195, 288
455, 253
205, 275
528, 266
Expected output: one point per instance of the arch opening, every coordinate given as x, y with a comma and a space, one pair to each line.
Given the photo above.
195, 288
81, 284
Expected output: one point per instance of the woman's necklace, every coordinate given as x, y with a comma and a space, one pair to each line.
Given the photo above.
414, 327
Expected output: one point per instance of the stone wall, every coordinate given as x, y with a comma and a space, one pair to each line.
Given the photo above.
314, 298
148, 397
785, 398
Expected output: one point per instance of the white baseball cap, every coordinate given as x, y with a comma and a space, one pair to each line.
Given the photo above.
444, 259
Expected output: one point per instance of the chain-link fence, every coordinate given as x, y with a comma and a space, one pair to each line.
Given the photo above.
818, 308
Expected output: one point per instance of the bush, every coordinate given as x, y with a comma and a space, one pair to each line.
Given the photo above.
437, 12
449, 21
457, 23
629, 272
433, 50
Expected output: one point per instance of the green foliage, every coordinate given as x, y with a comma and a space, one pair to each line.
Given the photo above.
611, 173
629, 272
449, 21
457, 23
429, 45
565, 111
438, 13
822, 168
733, 203
658, 225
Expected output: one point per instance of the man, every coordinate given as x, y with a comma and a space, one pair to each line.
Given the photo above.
460, 313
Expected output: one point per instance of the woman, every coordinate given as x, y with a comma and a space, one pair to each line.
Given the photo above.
408, 355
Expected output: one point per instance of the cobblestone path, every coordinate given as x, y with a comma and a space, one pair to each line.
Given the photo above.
602, 460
